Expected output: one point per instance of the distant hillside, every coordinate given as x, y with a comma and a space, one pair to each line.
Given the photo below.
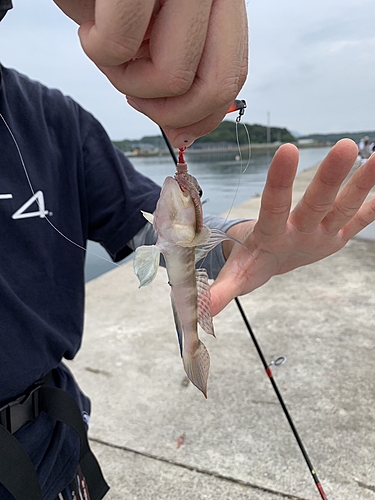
225, 132
148, 143
332, 138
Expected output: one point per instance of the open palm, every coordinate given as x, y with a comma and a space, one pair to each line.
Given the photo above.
321, 223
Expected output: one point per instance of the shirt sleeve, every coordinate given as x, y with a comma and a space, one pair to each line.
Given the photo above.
115, 192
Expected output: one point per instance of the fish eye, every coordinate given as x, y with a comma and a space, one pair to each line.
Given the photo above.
200, 192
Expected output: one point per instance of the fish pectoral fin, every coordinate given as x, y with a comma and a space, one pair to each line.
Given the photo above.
197, 238
197, 367
204, 302
146, 263
215, 238
177, 323
148, 217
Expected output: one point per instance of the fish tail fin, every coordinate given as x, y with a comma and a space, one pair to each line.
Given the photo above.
197, 366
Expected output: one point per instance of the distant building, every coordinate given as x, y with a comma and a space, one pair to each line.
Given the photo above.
146, 147
212, 146
305, 142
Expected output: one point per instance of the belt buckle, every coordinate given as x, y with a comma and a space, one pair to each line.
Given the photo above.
20, 411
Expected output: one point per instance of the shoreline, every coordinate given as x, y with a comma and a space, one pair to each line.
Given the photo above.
193, 151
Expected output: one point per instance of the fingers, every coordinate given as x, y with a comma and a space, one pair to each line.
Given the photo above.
117, 32
242, 272
185, 136
364, 217
350, 200
176, 44
220, 76
277, 193
322, 191
180, 62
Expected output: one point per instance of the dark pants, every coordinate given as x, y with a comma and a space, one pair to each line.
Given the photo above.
77, 489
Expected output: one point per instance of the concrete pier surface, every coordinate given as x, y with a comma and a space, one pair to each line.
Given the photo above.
157, 437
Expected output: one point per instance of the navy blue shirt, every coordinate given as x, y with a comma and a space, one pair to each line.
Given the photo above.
88, 190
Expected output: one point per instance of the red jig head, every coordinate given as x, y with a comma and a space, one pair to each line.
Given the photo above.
181, 151
181, 169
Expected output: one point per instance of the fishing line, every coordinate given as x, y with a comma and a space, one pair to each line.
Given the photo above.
238, 121
248, 142
38, 203
242, 170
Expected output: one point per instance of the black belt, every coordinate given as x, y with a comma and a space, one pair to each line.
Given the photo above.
17, 473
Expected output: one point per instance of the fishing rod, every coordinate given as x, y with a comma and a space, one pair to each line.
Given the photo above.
267, 366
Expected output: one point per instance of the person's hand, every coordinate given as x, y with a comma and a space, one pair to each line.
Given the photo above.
180, 62
320, 224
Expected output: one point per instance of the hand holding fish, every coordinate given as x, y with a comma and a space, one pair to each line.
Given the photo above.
180, 62
321, 223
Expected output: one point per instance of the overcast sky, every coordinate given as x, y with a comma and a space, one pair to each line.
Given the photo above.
312, 65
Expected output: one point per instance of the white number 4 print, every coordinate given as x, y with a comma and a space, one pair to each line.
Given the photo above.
38, 198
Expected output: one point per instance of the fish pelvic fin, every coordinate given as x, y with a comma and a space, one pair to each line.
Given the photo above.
146, 263
197, 367
204, 302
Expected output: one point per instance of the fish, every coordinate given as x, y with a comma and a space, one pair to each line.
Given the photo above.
183, 240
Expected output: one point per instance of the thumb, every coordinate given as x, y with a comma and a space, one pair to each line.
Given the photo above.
89, 39
223, 291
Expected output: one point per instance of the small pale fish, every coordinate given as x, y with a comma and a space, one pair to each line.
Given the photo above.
183, 240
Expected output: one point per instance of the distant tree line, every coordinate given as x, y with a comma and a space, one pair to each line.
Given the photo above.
332, 138
156, 141
225, 132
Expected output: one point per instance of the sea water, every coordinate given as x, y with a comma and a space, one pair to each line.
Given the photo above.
221, 178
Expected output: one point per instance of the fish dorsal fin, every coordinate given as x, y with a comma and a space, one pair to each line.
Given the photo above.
148, 216
146, 263
204, 302
177, 323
